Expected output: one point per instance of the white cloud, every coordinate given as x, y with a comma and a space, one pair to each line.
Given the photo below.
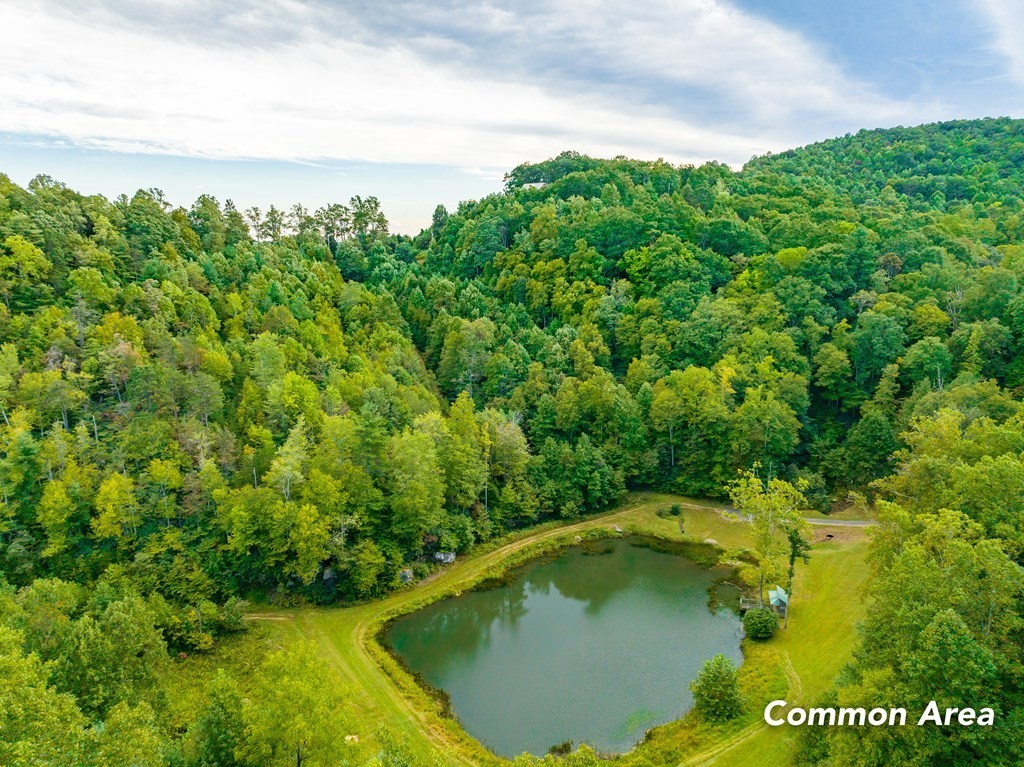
104, 81
761, 69
1007, 21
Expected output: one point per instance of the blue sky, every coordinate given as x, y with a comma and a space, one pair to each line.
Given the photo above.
427, 101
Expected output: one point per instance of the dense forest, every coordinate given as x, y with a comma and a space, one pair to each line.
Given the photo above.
204, 405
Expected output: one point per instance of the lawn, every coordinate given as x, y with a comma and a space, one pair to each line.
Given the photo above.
820, 639
803, 659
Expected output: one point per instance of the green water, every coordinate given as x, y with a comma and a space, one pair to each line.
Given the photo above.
590, 648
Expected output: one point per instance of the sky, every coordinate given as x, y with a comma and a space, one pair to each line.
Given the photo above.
421, 102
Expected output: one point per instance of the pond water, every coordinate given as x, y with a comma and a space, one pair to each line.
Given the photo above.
592, 648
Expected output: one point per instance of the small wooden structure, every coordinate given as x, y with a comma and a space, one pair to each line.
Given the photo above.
778, 602
778, 599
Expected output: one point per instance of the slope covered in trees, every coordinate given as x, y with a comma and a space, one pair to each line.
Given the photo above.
201, 404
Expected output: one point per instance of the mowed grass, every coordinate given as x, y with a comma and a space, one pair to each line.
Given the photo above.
827, 605
798, 664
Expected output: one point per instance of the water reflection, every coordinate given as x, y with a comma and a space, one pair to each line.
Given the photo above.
586, 577
592, 648
460, 625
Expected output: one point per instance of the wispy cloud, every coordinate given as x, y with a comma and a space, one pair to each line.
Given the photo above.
671, 52
1007, 20
461, 83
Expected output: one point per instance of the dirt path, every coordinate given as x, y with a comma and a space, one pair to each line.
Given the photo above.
346, 638
731, 513
839, 522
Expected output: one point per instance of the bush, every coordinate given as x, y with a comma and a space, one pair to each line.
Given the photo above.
675, 510
561, 749
716, 690
760, 623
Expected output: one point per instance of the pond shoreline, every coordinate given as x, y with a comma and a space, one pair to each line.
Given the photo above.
791, 666
704, 554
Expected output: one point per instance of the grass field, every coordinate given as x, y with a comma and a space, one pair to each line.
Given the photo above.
798, 664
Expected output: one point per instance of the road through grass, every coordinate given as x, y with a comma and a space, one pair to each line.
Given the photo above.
817, 643
821, 637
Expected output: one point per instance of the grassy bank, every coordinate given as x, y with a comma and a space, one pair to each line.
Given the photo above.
798, 664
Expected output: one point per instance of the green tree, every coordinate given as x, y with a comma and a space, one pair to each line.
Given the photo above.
716, 690
832, 372
165, 476
54, 513
463, 457
690, 407
38, 725
948, 597
368, 565
876, 342
928, 360
464, 356
760, 623
129, 736
111, 658
774, 510
867, 452
765, 430
416, 486
22, 267
296, 711
116, 506
216, 735
288, 469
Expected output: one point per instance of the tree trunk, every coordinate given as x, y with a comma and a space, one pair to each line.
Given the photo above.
789, 592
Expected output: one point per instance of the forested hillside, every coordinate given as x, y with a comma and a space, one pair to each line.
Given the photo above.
203, 404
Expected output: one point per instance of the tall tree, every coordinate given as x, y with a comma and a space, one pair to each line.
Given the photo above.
774, 510
295, 711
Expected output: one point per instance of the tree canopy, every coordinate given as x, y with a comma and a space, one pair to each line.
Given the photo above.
199, 403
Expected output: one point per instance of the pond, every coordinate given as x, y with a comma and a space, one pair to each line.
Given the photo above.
592, 648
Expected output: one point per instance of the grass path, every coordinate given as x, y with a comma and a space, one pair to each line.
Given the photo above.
819, 641
345, 635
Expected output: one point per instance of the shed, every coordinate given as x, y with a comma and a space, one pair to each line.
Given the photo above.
779, 600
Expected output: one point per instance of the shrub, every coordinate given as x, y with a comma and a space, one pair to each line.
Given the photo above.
760, 623
716, 690
675, 510
561, 749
